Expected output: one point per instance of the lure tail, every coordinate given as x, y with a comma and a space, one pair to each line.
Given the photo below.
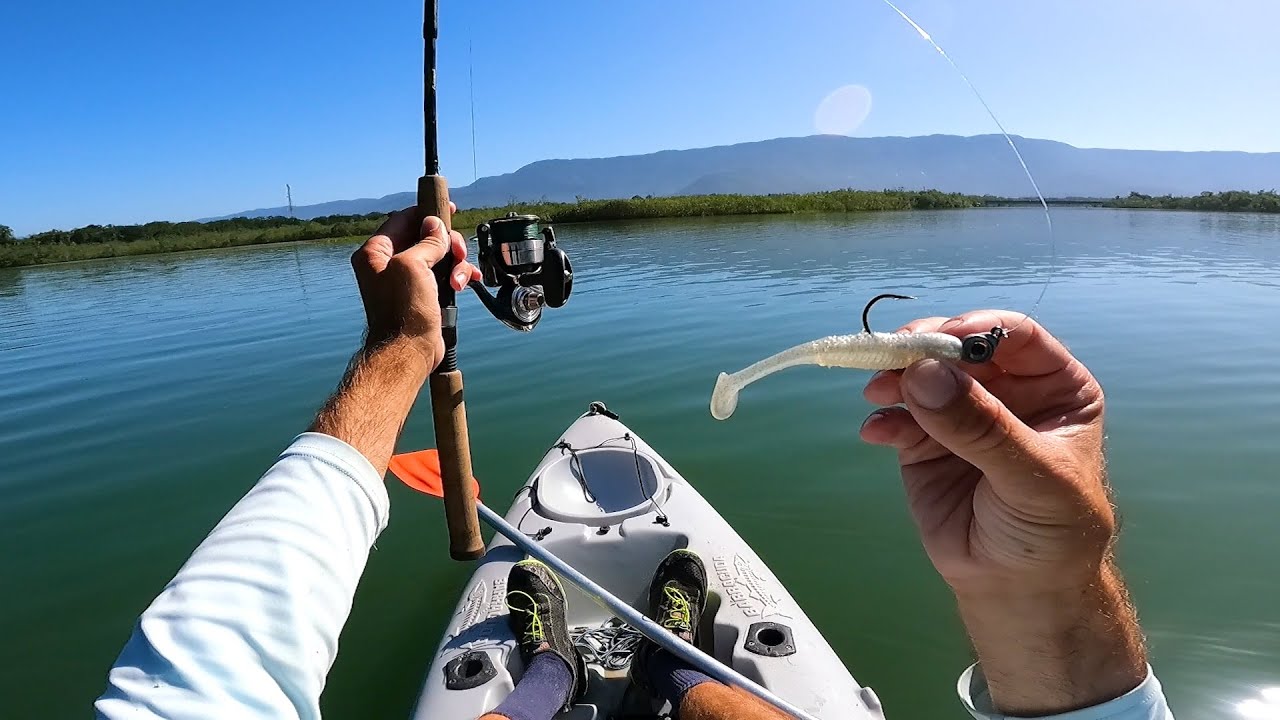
724, 398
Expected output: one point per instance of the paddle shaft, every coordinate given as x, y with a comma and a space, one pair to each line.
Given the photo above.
652, 630
447, 408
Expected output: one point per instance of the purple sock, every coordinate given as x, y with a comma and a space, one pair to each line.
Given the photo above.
542, 691
672, 677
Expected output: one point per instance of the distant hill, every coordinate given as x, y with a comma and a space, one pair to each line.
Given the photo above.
980, 165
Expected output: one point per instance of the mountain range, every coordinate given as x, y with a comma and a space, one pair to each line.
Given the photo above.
978, 165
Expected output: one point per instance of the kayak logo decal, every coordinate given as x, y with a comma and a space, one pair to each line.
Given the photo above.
473, 607
482, 605
498, 599
747, 589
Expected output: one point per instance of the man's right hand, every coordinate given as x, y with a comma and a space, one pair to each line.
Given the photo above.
1005, 476
397, 285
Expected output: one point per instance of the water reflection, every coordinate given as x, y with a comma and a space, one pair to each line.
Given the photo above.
999, 246
1264, 707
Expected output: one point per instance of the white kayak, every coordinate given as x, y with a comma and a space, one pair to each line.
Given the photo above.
606, 503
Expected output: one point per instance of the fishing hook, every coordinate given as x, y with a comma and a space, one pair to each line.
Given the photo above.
866, 327
977, 348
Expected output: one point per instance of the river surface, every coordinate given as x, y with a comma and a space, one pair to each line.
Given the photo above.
139, 398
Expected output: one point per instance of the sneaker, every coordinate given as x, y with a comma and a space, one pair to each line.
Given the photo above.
537, 608
677, 598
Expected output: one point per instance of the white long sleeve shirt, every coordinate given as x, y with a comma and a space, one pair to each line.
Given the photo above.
249, 626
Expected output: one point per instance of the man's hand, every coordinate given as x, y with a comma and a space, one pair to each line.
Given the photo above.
1005, 476
1003, 462
403, 345
397, 285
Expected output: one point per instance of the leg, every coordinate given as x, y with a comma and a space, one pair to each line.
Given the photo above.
713, 701
553, 672
542, 691
677, 599
697, 697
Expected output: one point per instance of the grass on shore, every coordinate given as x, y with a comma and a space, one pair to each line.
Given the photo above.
98, 241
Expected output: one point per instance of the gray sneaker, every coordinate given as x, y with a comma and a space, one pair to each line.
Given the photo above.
536, 604
677, 599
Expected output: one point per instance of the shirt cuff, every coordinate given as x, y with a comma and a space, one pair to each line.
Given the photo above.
1145, 702
350, 462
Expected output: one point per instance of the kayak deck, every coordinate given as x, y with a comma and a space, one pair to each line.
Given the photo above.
606, 503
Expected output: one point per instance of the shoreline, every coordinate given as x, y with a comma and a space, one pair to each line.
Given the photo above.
354, 239
96, 242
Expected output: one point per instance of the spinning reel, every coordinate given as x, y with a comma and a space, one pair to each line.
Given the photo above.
524, 263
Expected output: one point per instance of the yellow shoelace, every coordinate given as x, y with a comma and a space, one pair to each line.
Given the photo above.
679, 614
534, 632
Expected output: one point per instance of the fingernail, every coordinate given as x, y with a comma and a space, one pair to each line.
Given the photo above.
931, 383
461, 277
873, 418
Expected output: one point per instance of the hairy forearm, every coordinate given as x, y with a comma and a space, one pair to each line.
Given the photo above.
373, 400
1050, 653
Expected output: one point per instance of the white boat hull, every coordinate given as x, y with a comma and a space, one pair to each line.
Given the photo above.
599, 508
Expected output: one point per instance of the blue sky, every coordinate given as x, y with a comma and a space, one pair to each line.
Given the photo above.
120, 112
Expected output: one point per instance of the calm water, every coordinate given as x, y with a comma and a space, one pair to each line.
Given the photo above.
140, 398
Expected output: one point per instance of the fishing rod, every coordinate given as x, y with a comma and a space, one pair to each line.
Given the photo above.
530, 272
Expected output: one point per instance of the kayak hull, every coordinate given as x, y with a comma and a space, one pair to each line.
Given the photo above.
606, 503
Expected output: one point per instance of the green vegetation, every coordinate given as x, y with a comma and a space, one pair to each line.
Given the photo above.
1264, 201
1033, 201
836, 201
99, 241
102, 241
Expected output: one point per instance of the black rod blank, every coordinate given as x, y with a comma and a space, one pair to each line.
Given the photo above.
430, 32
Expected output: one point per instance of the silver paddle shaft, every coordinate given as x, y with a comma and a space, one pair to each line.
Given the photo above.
652, 630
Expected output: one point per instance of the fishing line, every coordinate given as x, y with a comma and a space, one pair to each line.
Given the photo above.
471, 87
1048, 218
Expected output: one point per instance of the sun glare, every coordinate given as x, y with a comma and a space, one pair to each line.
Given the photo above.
1264, 707
843, 110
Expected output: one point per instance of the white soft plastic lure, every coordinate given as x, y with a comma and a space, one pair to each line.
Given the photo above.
866, 350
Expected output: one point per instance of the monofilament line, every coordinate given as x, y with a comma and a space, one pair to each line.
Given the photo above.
471, 86
1048, 219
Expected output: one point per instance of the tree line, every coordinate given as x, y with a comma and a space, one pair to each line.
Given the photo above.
254, 229
1264, 201
98, 241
